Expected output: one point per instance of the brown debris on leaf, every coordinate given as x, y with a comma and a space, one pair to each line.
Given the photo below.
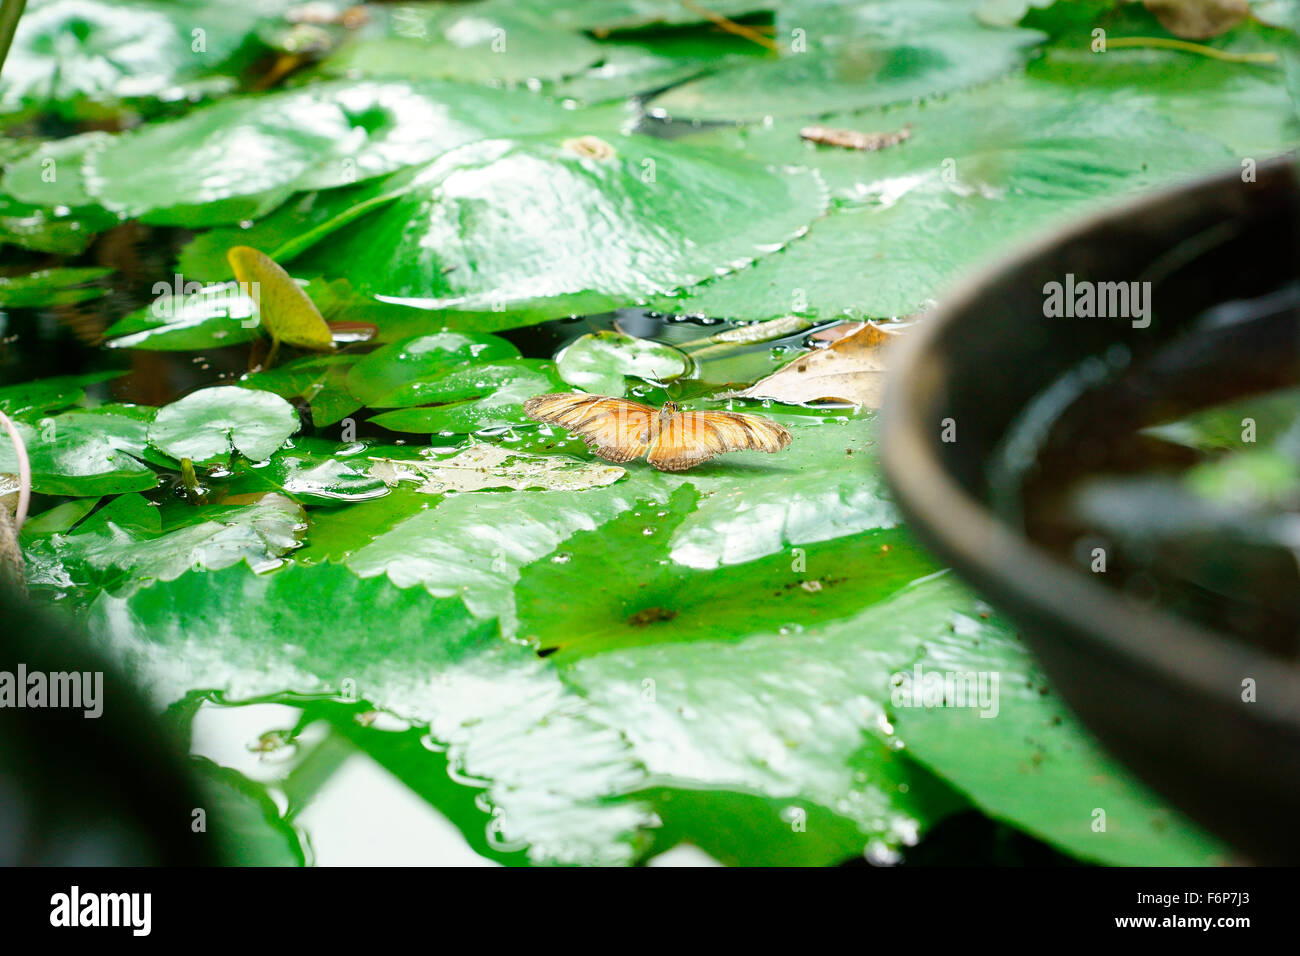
1198, 19
850, 370
852, 139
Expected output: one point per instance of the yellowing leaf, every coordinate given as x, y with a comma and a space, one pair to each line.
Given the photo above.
849, 370
1198, 19
288, 314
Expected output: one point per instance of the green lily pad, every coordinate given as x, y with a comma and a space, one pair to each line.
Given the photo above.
213, 316
980, 171
853, 57
629, 66
320, 380
312, 471
83, 58
598, 362
48, 394
83, 453
49, 174
607, 16
123, 556
50, 230
478, 224
638, 595
478, 45
473, 399
206, 425
305, 218
240, 158
48, 287
379, 378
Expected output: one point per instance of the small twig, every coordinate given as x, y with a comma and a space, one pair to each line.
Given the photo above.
1167, 43
731, 26
24, 471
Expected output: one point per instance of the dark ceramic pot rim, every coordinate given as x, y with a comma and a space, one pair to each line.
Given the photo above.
1018, 576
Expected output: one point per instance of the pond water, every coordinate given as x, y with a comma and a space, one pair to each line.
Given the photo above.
1176, 478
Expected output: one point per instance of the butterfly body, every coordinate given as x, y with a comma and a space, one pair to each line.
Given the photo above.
672, 440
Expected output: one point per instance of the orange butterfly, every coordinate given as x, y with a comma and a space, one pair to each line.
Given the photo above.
619, 430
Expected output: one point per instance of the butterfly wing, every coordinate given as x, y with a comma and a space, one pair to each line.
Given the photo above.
614, 428
689, 438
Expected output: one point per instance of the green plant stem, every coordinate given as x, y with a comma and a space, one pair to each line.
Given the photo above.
1166, 43
10, 11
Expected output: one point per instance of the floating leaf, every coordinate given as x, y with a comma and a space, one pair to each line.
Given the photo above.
241, 158
205, 425
122, 556
312, 471
48, 287
81, 58
83, 453
484, 466
599, 361
306, 216
638, 595
857, 56
212, 316
630, 65
849, 370
284, 308
320, 380
50, 174
472, 398
607, 16
381, 376
479, 45
48, 394
477, 224
980, 170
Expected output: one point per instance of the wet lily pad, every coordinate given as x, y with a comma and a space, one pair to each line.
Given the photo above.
122, 555
840, 57
600, 361
48, 394
384, 376
481, 44
501, 221
61, 286
83, 453
206, 425
469, 399
83, 58
211, 316
996, 162
320, 380
312, 471
240, 158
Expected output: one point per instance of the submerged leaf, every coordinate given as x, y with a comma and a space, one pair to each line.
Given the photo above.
485, 466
